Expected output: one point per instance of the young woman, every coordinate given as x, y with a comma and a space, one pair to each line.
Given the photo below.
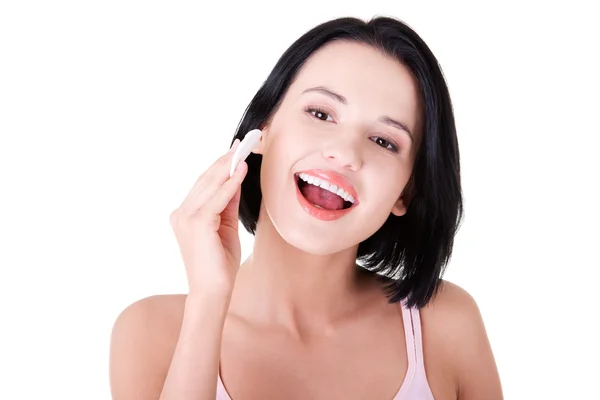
353, 195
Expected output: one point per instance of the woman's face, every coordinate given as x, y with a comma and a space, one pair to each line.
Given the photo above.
352, 115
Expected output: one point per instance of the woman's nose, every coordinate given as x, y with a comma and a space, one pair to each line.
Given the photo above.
344, 152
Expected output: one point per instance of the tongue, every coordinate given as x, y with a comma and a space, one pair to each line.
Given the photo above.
322, 198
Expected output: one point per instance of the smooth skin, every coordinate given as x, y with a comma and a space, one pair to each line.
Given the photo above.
298, 319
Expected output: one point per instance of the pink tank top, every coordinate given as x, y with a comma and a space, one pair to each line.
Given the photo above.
415, 385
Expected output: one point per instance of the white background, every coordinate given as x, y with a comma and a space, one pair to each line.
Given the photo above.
109, 110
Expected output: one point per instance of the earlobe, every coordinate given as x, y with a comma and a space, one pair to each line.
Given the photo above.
408, 194
399, 208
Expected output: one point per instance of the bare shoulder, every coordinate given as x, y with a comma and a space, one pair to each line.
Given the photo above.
454, 334
452, 319
452, 306
143, 339
163, 306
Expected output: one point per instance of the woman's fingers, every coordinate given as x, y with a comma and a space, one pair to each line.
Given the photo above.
208, 183
225, 194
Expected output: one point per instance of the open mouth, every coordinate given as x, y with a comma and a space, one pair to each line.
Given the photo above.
323, 195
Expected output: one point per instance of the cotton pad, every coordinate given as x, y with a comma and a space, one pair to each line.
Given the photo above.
245, 148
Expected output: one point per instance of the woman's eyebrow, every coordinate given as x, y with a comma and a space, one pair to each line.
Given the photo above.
397, 124
338, 97
327, 92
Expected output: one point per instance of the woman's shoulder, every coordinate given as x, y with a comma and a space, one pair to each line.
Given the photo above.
158, 316
453, 299
454, 334
142, 342
160, 305
452, 316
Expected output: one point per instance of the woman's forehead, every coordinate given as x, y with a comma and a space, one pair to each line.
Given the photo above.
363, 76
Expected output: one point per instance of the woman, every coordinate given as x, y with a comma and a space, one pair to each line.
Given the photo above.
342, 296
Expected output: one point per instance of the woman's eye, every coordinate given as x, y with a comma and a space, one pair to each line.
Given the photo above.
386, 144
320, 114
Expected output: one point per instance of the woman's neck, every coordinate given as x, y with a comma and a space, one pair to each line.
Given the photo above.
280, 284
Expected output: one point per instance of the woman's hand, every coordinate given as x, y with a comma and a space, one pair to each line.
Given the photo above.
206, 228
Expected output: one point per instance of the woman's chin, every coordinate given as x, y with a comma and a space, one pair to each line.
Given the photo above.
308, 240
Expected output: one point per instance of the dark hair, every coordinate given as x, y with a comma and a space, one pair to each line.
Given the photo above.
410, 252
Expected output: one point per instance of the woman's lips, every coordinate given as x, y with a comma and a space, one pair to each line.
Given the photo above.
333, 178
317, 212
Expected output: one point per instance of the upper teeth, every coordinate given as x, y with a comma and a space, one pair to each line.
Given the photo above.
327, 186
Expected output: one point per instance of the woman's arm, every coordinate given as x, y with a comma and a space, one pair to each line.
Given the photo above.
455, 334
194, 369
476, 369
149, 361
157, 354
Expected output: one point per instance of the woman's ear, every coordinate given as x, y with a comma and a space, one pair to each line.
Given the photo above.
399, 208
260, 146
406, 197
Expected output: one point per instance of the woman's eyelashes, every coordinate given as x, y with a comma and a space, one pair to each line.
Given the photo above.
387, 143
318, 113
384, 142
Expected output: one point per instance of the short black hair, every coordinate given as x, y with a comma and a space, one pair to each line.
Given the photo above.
408, 253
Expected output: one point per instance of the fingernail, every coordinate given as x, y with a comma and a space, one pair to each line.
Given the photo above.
234, 145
